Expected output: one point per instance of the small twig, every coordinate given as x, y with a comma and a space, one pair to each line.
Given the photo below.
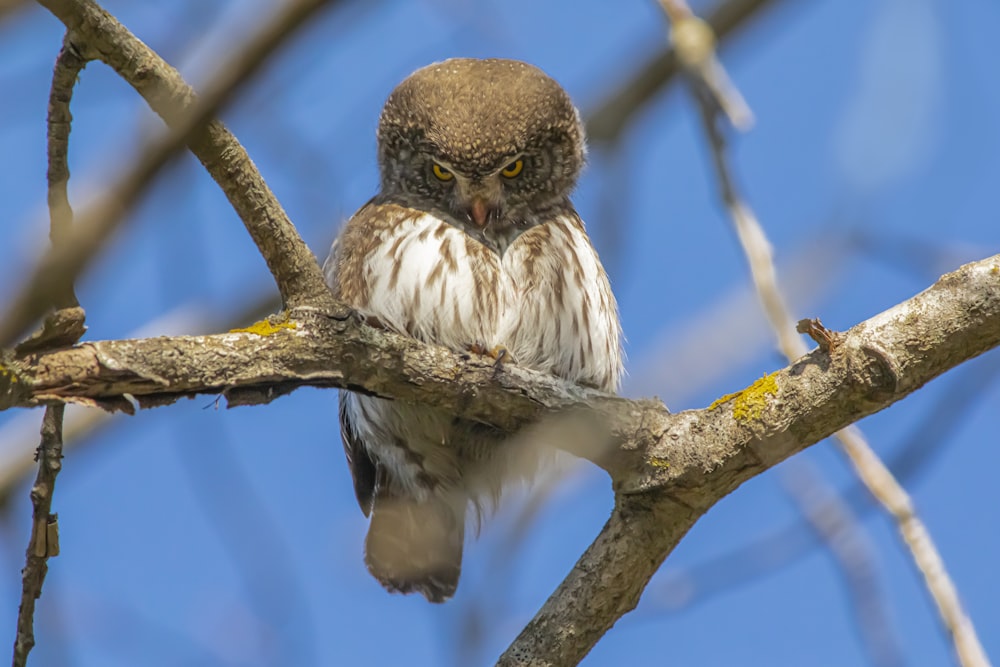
44, 541
65, 326
295, 269
866, 463
826, 339
69, 64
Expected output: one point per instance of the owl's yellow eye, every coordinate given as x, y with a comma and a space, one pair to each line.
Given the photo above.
513, 169
441, 173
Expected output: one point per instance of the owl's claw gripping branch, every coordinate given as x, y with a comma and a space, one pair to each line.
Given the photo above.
502, 356
499, 353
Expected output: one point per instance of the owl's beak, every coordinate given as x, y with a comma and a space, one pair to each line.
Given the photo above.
479, 211
479, 198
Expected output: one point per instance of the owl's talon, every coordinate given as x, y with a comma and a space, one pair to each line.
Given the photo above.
502, 356
499, 353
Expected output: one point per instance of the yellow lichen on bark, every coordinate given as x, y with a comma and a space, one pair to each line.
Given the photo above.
750, 403
265, 328
723, 399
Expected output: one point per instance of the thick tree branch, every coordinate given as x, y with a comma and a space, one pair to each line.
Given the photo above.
668, 469
695, 458
686, 462
785, 545
874, 364
326, 349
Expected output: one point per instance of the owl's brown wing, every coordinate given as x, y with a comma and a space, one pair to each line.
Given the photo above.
358, 460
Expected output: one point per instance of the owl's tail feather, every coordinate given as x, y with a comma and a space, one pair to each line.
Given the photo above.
416, 546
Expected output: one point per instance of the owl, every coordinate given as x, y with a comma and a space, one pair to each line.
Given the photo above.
472, 243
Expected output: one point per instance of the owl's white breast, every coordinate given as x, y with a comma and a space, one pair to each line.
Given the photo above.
548, 300
431, 281
564, 318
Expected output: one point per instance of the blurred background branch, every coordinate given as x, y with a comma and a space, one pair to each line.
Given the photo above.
843, 537
606, 123
717, 98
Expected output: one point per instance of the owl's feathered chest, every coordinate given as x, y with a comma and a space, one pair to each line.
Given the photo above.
547, 300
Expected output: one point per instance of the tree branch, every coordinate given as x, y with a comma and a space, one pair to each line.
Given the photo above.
867, 465
64, 327
874, 364
667, 469
44, 540
695, 458
792, 542
102, 37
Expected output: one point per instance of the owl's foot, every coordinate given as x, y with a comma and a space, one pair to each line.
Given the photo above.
499, 353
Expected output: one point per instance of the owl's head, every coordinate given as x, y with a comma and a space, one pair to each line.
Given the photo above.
495, 145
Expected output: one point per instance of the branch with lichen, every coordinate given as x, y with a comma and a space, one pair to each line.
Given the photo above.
667, 469
717, 98
700, 456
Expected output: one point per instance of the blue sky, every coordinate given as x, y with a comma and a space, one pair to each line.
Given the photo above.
195, 535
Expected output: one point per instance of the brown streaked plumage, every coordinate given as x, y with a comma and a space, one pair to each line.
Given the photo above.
471, 243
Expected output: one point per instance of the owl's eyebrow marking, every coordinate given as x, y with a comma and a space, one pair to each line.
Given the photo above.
514, 157
435, 156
